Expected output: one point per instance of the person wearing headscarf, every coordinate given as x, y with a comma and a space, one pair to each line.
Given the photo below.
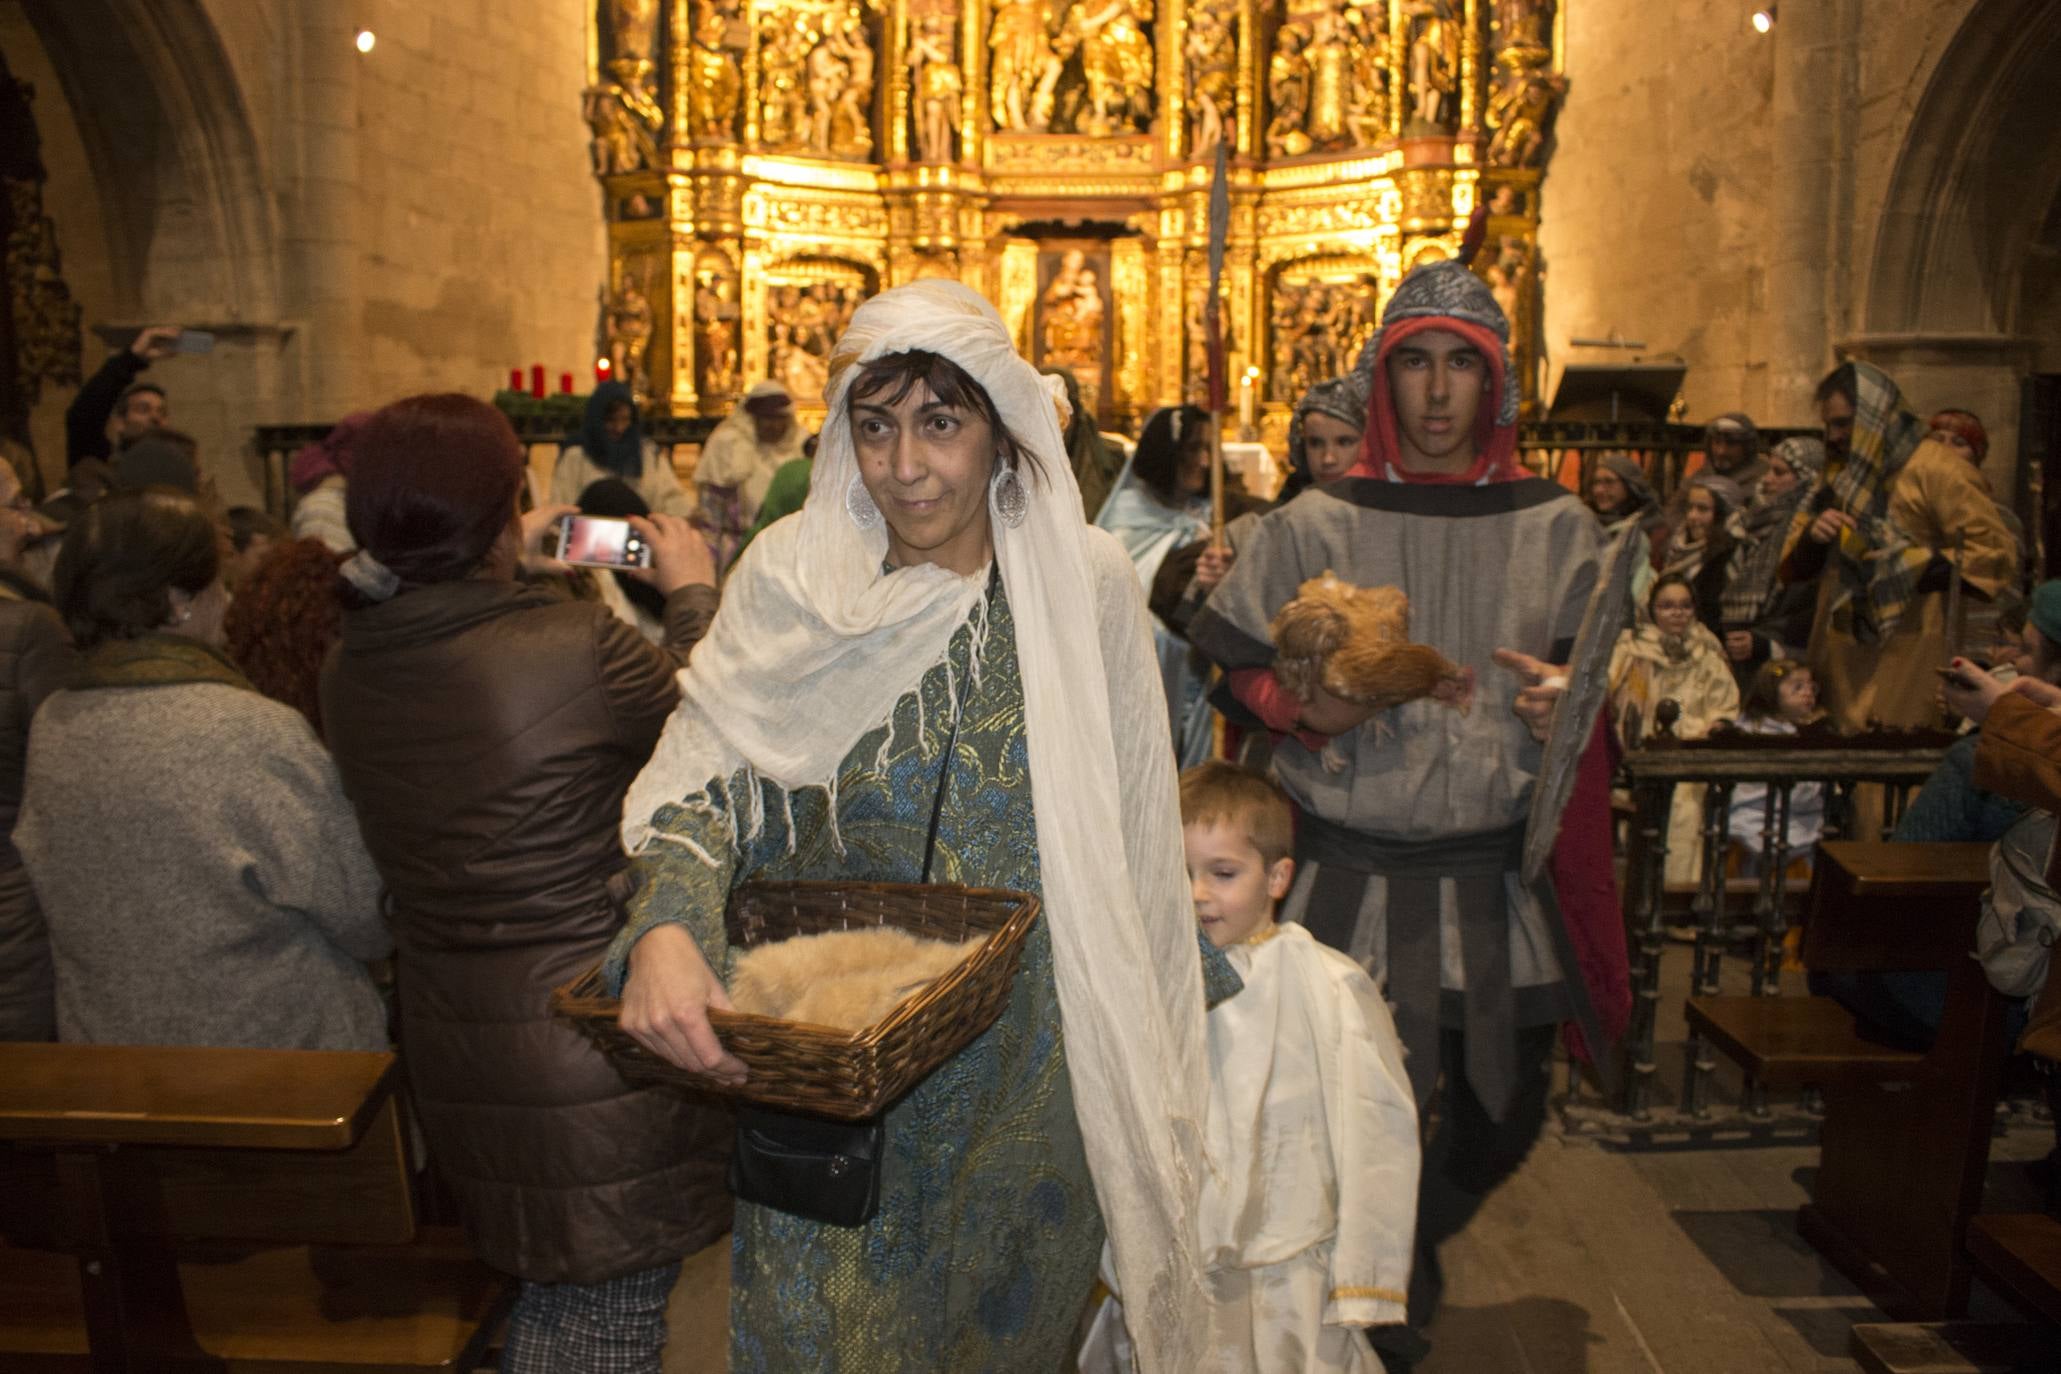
1620, 494
1963, 432
1763, 617
1325, 435
1900, 517
1095, 463
1161, 507
1412, 821
739, 462
1700, 551
611, 443
1731, 448
319, 474
1670, 655
938, 645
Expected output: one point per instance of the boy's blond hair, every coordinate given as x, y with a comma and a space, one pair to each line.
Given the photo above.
1216, 793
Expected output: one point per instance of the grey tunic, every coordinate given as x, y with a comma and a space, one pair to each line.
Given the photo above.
1419, 824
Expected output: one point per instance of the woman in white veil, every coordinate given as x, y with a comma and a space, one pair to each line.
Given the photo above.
937, 622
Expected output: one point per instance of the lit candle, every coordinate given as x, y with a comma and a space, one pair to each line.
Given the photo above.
565, 383
602, 367
1245, 403
537, 381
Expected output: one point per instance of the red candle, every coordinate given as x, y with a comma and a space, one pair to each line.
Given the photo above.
602, 367
537, 380
565, 383
515, 379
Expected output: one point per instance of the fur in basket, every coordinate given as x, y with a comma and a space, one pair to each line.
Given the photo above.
844, 979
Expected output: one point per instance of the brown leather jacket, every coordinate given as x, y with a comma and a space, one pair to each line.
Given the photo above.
486, 733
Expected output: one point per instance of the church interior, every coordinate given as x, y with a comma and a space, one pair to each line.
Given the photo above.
1687, 213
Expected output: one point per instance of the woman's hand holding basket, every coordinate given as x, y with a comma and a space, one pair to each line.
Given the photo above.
666, 1002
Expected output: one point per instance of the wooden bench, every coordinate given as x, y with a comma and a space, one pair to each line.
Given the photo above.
223, 1210
1905, 1139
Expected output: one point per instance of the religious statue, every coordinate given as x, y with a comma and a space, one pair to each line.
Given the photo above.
1433, 61
621, 141
936, 85
1330, 62
1285, 306
1520, 27
715, 315
1508, 276
1024, 67
1366, 117
803, 322
1116, 63
1212, 50
718, 80
852, 114
1288, 92
626, 328
783, 102
1070, 322
1518, 112
634, 25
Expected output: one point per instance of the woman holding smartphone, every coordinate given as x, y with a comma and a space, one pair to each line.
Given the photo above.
485, 732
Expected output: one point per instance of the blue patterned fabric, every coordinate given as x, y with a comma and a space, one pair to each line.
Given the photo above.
984, 1250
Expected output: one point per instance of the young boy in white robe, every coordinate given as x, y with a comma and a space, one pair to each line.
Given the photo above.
1308, 1218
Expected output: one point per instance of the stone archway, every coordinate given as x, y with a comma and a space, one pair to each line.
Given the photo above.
1975, 180
175, 153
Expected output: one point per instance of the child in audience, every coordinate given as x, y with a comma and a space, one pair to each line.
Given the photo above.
1782, 697
1307, 1220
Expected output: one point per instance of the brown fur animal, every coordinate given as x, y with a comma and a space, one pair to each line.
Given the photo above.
1354, 642
845, 979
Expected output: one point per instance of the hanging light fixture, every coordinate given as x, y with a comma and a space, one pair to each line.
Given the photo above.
1764, 19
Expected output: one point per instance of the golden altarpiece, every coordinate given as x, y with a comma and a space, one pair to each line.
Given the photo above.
767, 164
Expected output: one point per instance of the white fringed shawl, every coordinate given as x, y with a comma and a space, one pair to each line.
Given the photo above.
813, 647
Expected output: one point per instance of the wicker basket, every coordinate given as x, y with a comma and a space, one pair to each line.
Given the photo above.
848, 1075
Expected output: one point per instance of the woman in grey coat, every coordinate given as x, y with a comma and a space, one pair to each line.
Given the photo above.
200, 871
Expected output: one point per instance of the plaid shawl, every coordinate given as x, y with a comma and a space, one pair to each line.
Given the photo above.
1878, 565
1765, 531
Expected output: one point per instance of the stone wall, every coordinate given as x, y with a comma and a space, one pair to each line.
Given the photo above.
353, 227
1652, 219
1870, 180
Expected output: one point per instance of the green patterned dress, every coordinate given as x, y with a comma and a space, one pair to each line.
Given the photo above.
985, 1246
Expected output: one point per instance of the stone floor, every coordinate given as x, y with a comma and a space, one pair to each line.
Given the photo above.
1673, 1252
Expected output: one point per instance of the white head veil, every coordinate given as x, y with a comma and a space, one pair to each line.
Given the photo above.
813, 647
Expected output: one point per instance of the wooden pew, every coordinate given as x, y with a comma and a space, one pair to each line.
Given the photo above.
1906, 1136
224, 1210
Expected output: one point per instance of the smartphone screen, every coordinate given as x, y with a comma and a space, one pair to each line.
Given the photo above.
599, 541
196, 341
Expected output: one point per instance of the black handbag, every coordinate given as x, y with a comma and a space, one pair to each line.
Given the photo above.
810, 1166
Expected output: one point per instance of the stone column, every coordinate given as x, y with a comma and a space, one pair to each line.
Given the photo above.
322, 255
1804, 114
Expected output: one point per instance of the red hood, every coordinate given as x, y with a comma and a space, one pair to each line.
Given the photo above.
1495, 445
